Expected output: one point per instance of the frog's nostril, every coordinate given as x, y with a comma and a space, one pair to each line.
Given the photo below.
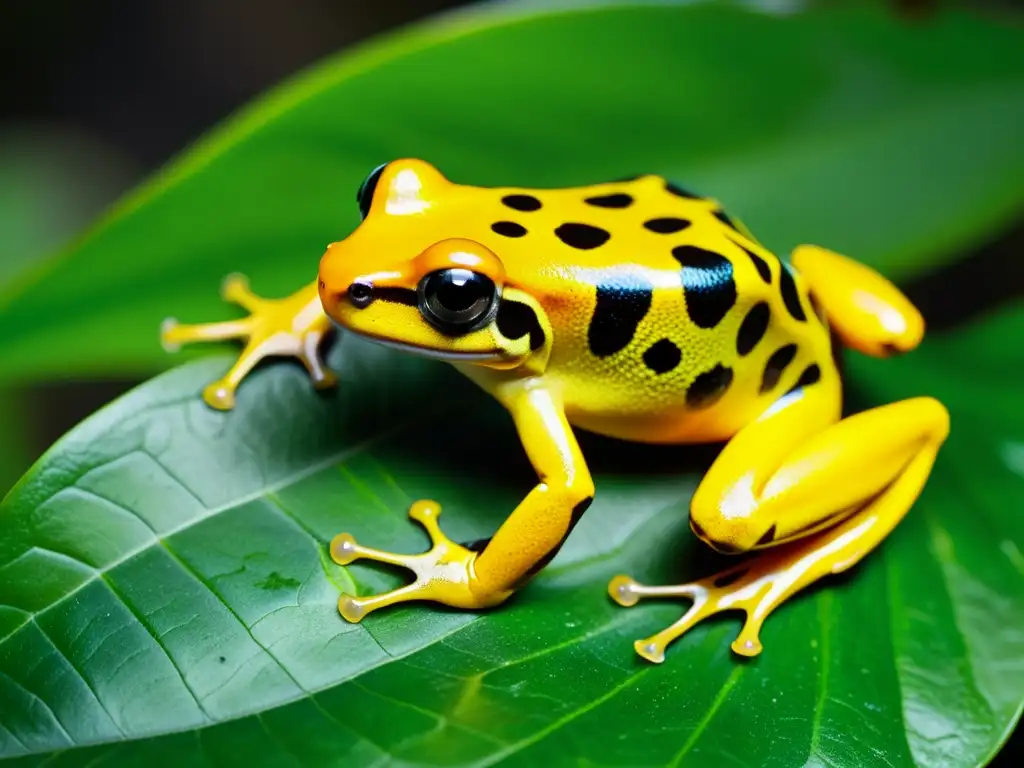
360, 295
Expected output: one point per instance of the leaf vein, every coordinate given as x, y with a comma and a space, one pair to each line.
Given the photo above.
151, 630
206, 514
824, 616
85, 680
202, 580
705, 721
543, 733
440, 721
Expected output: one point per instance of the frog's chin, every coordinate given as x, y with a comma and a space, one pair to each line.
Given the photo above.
435, 354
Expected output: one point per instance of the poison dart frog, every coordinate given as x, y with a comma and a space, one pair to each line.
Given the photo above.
637, 310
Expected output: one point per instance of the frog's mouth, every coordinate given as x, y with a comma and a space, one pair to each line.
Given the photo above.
424, 351
404, 319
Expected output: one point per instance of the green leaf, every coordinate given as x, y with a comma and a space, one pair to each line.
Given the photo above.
895, 142
165, 567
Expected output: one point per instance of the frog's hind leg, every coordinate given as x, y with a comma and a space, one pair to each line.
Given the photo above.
820, 496
294, 326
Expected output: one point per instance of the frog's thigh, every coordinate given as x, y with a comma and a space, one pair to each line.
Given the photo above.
730, 510
868, 469
754, 497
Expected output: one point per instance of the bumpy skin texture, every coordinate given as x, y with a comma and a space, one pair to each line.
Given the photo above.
638, 310
645, 289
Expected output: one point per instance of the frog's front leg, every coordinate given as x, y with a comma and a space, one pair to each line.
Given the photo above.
463, 577
294, 326
821, 495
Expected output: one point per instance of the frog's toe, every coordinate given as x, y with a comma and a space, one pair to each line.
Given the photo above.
167, 333
353, 609
350, 608
220, 395
748, 643
309, 354
743, 587
444, 573
324, 379
235, 286
623, 590
345, 550
651, 650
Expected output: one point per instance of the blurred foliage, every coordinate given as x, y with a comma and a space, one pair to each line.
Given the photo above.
163, 568
53, 182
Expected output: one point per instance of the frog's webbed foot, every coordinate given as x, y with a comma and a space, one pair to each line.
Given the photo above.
833, 493
294, 326
756, 587
444, 573
749, 587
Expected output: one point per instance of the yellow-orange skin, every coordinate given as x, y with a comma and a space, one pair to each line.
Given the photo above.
815, 491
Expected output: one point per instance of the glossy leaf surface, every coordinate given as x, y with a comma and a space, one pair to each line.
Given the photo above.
896, 142
165, 567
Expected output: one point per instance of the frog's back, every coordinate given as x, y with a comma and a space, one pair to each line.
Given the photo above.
670, 322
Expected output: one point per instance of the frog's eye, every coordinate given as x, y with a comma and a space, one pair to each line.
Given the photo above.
457, 301
364, 196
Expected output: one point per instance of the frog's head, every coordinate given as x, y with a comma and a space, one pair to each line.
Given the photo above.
407, 278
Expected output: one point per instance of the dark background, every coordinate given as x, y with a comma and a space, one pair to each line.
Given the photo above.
124, 85
133, 82
149, 77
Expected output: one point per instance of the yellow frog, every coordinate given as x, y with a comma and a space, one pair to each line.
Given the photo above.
636, 310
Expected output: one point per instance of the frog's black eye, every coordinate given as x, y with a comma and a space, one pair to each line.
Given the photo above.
457, 301
364, 196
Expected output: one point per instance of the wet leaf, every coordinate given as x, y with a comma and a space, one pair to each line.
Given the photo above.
165, 568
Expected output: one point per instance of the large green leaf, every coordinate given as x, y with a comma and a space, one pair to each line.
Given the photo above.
164, 567
897, 143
